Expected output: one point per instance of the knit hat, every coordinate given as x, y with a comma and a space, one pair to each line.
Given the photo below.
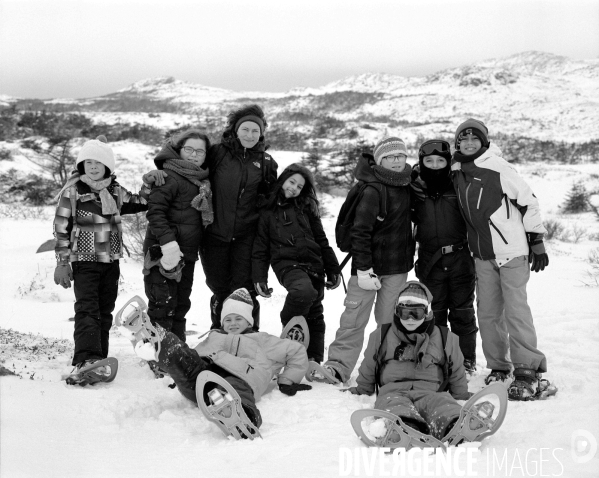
98, 150
388, 146
239, 302
475, 127
414, 294
253, 119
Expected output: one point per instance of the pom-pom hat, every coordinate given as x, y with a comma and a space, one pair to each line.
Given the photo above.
98, 150
239, 302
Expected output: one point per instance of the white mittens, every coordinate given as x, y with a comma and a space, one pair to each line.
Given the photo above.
368, 280
171, 254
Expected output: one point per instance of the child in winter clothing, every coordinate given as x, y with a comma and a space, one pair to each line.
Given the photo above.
445, 265
177, 213
291, 238
241, 174
505, 234
248, 360
87, 228
407, 365
382, 252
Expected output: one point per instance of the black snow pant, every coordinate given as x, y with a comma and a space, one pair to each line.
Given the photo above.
228, 267
169, 300
304, 297
184, 364
96, 288
452, 281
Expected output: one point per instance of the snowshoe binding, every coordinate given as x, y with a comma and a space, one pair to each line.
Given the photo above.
497, 376
93, 371
380, 428
528, 386
134, 323
480, 417
318, 373
297, 330
223, 406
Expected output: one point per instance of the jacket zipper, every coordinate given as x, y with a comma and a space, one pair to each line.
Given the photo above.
507, 205
498, 231
480, 194
242, 166
470, 217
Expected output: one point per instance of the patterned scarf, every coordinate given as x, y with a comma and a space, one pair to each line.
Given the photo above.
393, 178
196, 175
109, 206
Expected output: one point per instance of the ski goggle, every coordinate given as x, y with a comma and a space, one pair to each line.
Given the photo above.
434, 147
406, 313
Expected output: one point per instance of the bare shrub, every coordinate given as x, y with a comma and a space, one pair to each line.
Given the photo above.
134, 233
578, 232
554, 229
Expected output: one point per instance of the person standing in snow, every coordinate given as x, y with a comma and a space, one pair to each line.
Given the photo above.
505, 235
87, 228
290, 237
178, 212
241, 174
445, 265
382, 253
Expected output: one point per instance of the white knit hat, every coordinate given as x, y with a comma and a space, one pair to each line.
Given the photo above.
388, 146
239, 302
98, 150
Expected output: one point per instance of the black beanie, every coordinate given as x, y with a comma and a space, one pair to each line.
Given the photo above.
475, 127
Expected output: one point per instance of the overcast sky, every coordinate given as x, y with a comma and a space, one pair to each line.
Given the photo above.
82, 48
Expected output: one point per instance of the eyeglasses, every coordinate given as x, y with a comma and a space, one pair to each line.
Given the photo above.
189, 150
395, 159
434, 147
406, 313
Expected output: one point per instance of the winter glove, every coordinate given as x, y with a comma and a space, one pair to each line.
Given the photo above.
537, 256
333, 281
63, 275
155, 177
171, 254
368, 280
262, 289
292, 389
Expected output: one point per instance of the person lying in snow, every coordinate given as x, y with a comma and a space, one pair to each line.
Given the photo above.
248, 360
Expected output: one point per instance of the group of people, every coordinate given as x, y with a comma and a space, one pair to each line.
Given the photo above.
476, 221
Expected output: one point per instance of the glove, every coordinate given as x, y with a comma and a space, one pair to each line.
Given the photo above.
155, 177
63, 275
333, 281
262, 289
292, 389
368, 280
171, 255
537, 256
352, 390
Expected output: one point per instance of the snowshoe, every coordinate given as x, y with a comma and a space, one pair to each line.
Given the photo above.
384, 429
93, 371
528, 385
297, 329
481, 416
497, 376
318, 373
470, 366
224, 406
133, 322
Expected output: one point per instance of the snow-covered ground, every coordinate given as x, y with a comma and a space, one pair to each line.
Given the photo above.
137, 426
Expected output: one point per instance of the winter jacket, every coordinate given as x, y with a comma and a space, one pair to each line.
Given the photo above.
256, 357
291, 236
438, 223
170, 215
82, 232
498, 206
239, 177
405, 374
386, 246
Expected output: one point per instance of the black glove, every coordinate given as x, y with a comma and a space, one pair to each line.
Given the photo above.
537, 256
262, 289
333, 281
292, 389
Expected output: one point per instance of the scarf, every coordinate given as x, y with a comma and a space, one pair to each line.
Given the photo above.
109, 206
462, 158
419, 337
393, 178
437, 180
196, 175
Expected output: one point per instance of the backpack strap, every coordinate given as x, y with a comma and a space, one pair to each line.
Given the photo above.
378, 356
448, 364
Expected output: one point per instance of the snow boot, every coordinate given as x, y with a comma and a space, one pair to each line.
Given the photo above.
528, 385
93, 371
470, 366
497, 376
297, 329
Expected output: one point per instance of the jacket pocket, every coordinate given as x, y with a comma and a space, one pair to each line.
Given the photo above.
353, 307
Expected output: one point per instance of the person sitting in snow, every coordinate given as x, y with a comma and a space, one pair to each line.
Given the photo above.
407, 365
248, 360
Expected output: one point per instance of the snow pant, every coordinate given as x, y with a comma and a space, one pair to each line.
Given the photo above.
427, 411
304, 297
169, 300
184, 364
228, 267
452, 281
504, 317
349, 339
96, 287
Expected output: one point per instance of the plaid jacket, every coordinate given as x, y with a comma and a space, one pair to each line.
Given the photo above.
82, 233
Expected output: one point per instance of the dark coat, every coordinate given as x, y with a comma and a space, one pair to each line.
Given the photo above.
170, 215
291, 236
239, 178
386, 246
